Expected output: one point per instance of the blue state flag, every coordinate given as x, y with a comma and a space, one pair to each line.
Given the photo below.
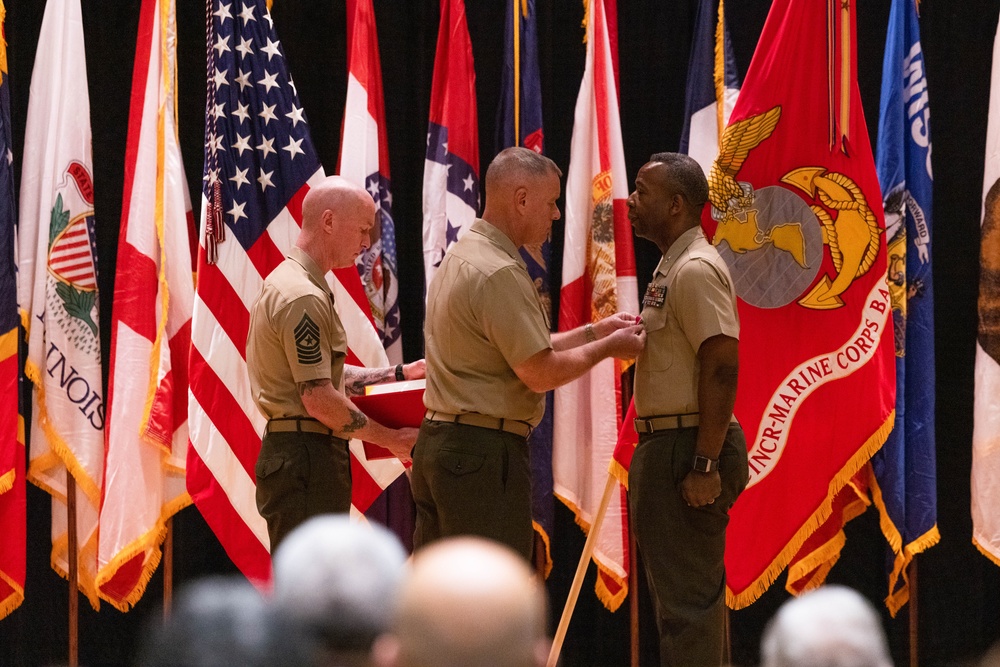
713, 84
904, 469
519, 123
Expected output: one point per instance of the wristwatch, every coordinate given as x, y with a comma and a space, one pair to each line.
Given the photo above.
704, 464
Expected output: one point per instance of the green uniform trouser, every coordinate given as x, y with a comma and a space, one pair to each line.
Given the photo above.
469, 480
300, 475
683, 547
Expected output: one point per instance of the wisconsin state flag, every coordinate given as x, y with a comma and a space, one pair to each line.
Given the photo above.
796, 212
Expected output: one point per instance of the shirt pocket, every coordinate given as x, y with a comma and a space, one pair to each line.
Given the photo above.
658, 354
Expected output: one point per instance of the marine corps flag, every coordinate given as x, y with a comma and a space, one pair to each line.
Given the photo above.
796, 212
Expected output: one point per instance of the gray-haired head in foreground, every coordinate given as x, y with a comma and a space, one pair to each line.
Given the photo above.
340, 579
223, 621
832, 626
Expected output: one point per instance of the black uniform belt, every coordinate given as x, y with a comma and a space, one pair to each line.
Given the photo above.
297, 425
665, 422
514, 426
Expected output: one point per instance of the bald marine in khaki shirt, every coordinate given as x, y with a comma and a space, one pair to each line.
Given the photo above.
296, 349
490, 360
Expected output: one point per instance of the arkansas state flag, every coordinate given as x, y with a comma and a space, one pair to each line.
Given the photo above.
57, 289
364, 159
598, 280
796, 212
147, 433
451, 167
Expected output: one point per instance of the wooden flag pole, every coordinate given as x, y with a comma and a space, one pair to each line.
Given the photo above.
168, 569
914, 637
73, 574
581, 571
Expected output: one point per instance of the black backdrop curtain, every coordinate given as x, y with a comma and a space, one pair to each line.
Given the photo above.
959, 603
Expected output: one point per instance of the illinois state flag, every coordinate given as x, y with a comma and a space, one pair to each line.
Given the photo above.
259, 161
598, 280
904, 469
147, 431
796, 212
451, 165
13, 516
364, 159
986, 430
57, 289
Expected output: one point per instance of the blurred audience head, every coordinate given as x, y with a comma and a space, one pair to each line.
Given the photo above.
223, 621
467, 602
832, 626
339, 580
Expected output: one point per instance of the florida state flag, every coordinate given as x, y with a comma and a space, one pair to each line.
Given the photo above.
796, 212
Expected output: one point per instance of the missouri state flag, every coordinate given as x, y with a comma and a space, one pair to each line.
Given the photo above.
364, 159
259, 163
796, 212
451, 164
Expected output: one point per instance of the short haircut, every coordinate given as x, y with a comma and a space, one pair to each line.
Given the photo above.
831, 626
340, 579
686, 175
519, 161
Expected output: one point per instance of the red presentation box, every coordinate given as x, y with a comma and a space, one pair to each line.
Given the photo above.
393, 404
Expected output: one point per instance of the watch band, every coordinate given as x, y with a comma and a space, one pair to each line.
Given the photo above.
704, 464
399, 373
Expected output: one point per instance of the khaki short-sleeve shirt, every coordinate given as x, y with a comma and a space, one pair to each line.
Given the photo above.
295, 336
690, 299
483, 318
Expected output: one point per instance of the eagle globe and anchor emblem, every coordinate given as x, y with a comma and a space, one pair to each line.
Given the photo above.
772, 239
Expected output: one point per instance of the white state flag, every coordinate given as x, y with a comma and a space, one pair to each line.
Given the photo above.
57, 287
150, 327
986, 432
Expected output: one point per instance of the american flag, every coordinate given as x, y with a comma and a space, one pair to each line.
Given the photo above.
260, 160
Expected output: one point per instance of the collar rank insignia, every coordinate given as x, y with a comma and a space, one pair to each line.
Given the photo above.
655, 296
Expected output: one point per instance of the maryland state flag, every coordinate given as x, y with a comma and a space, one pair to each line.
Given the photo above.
796, 212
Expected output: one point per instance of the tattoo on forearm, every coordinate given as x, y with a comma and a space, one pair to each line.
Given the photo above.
308, 386
358, 420
356, 378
